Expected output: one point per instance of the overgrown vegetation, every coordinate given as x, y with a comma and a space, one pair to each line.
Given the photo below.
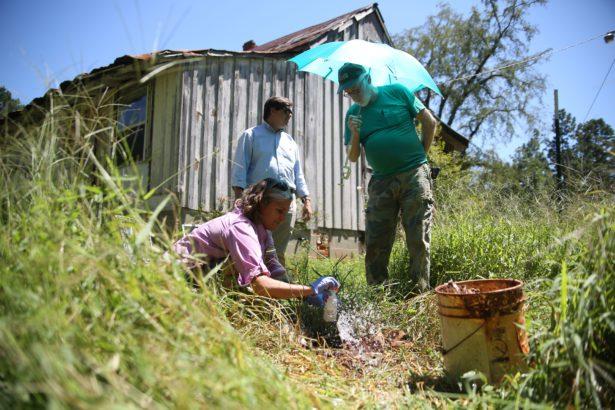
93, 314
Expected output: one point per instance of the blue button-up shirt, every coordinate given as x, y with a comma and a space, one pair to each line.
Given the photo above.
263, 152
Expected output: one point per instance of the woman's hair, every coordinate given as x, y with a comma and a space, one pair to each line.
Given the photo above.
259, 195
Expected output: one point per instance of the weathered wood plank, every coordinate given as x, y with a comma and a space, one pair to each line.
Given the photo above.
255, 103
299, 116
173, 130
328, 155
209, 162
196, 137
340, 202
280, 78
291, 72
239, 107
311, 163
267, 79
184, 124
318, 145
157, 135
223, 132
163, 133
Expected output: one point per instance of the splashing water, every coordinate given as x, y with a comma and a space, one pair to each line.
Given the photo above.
356, 324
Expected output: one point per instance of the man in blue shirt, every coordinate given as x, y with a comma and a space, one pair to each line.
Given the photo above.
382, 123
266, 151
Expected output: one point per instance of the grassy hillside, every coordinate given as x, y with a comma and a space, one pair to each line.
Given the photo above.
94, 314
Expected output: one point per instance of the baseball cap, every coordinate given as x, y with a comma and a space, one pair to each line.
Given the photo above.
349, 75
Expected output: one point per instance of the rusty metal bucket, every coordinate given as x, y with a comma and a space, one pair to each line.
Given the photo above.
483, 327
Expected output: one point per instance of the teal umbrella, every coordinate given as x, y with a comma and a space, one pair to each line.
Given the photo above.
385, 64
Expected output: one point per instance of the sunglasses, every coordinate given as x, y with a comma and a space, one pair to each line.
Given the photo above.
278, 185
353, 90
287, 110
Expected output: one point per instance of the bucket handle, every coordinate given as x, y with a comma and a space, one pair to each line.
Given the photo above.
447, 351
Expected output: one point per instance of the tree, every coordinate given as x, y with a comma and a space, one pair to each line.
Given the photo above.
8, 104
460, 52
567, 127
531, 166
594, 152
492, 173
587, 153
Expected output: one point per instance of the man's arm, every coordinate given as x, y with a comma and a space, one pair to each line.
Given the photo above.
354, 148
428, 127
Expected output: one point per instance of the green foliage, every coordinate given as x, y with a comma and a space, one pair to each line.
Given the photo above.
460, 52
94, 314
8, 104
453, 167
566, 260
573, 359
531, 167
486, 234
586, 154
595, 142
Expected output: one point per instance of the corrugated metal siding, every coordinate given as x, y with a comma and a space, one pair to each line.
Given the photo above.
222, 96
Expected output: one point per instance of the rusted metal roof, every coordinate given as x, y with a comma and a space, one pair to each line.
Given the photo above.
144, 61
282, 47
302, 39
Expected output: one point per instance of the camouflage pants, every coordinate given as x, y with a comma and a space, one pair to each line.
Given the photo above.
411, 193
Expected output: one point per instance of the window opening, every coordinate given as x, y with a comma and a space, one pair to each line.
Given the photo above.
131, 126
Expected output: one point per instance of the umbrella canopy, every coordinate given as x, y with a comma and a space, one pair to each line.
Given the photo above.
386, 64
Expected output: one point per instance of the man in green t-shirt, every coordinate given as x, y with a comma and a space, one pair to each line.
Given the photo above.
382, 122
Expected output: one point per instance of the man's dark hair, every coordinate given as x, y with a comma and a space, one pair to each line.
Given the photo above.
279, 103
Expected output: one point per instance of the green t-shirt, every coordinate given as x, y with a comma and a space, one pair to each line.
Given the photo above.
388, 133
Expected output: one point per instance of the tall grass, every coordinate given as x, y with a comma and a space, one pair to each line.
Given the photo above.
564, 255
574, 357
93, 314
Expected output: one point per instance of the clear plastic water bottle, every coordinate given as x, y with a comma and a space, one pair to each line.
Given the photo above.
330, 309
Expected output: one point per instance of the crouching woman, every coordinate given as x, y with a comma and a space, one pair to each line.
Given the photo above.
244, 235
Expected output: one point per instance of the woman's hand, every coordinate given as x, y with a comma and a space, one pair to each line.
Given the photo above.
320, 287
325, 283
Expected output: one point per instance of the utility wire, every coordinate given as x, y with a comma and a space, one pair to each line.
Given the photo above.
599, 89
540, 55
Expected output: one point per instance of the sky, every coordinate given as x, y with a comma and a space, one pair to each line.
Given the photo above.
43, 43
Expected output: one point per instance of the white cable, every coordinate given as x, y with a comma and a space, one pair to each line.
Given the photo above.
545, 53
599, 89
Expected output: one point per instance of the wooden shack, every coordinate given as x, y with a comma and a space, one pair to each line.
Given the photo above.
184, 111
